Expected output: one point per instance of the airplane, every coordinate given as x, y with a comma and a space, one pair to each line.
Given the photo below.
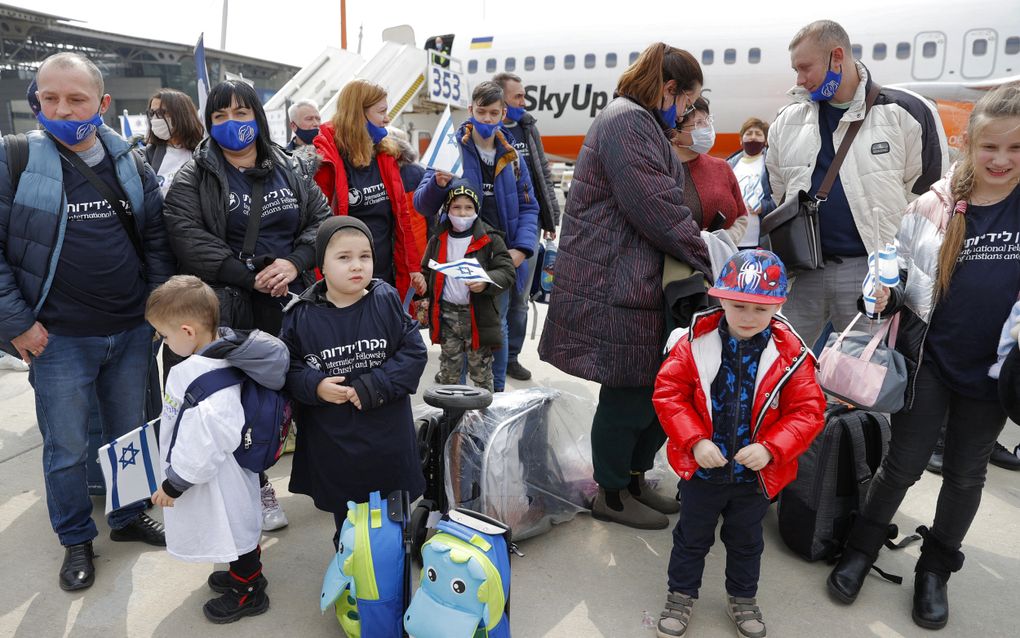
949, 52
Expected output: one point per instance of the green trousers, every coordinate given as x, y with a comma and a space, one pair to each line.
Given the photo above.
625, 435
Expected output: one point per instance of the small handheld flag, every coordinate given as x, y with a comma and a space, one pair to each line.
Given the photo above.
443, 153
202, 73
131, 467
467, 270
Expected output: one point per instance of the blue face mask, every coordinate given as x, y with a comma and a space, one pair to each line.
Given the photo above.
485, 130
71, 132
306, 135
234, 135
829, 85
669, 115
377, 133
515, 113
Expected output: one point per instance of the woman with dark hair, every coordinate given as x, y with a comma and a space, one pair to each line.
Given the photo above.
174, 133
242, 216
626, 212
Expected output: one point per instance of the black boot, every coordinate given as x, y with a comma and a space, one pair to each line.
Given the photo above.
861, 551
78, 570
244, 597
931, 594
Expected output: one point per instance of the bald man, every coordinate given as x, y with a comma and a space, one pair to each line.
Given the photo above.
82, 243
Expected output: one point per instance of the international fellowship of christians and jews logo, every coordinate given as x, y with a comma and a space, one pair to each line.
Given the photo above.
354, 196
830, 88
246, 134
234, 201
314, 361
84, 131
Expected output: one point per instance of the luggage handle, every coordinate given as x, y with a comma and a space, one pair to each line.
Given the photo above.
862, 472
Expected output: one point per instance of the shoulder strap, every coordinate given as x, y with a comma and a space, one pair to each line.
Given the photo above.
204, 386
251, 233
844, 146
156, 157
104, 190
16, 145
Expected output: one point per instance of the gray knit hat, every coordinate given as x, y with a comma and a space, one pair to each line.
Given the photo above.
330, 227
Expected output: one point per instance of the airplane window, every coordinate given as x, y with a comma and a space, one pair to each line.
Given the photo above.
568, 61
510, 64
1013, 45
472, 66
529, 63
878, 52
633, 57
707, 56
929, 49
490, 65
730, 56
980, 46
902, 50
754, 55
550, 62
857, 50
589, 60
610, 60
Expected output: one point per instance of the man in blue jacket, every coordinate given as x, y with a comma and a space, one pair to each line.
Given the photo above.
82, 243
508, 203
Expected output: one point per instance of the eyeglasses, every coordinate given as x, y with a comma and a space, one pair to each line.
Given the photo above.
690, 107
160, 113
690, 126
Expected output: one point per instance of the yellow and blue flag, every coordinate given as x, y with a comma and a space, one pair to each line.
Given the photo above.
481, 43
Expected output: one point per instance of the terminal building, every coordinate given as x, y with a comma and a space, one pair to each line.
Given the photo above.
134, 68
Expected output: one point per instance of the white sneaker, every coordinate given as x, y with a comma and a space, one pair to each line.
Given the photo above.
7, 362
272, 514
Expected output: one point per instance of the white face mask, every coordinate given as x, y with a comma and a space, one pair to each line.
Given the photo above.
160, 128
704, 139
460, 224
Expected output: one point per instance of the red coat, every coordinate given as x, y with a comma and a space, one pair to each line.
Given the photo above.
718, 190
788, 410
332, 179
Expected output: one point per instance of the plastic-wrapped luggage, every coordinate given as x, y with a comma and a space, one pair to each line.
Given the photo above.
525, 460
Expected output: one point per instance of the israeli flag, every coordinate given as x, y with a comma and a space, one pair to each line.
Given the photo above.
131, 467
202, 73
467, 270
443, 153
125, 126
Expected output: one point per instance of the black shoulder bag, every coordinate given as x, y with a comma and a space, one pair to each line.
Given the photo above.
792, 228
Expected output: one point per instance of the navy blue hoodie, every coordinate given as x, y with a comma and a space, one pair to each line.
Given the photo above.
344, 453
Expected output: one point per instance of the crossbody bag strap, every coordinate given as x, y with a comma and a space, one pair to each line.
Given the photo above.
844, 146
125, 217
251, 233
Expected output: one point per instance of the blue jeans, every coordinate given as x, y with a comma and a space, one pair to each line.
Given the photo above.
69, 374
517, 316
499, 359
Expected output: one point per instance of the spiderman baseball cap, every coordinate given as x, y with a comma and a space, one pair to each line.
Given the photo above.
752, 276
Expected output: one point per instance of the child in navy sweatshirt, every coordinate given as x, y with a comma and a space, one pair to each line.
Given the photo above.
355, 360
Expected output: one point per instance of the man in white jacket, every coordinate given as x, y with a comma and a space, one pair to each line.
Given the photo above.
899, 152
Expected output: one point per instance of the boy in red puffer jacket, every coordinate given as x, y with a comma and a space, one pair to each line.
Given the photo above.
739, 402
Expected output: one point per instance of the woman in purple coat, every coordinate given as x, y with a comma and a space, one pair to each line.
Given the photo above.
606, 317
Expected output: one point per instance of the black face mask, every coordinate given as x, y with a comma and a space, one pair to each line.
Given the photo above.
752, 147
306, 135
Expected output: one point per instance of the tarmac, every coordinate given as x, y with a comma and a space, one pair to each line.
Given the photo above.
582, 578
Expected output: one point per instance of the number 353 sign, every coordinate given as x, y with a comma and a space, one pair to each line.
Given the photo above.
447, 86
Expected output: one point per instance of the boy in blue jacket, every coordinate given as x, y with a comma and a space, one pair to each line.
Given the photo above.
355, 359
508, 202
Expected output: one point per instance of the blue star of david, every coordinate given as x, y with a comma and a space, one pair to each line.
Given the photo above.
124, 460
451, 138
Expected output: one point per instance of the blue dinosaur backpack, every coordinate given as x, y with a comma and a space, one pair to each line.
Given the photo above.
368, 578
267, 416
465, 580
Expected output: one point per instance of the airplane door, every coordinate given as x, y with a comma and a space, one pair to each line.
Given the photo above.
979, 47
929, 55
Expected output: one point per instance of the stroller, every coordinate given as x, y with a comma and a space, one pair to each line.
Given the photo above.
433, 432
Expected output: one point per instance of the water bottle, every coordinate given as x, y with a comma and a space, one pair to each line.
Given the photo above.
548, 266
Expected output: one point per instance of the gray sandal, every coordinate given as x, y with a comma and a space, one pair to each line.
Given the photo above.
744, 612
674, 619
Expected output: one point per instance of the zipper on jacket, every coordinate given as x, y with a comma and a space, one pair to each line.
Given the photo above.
771, 396
736, 422
920, 358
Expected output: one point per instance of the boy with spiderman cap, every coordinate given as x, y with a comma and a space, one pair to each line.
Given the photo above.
463, 316
739, 401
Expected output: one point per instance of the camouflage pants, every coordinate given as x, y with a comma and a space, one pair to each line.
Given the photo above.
456, 341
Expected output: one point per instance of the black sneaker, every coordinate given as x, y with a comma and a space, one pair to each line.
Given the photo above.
1001, 457
221, 582
515, 370
239, 600
78, 571
143, 529
935, 463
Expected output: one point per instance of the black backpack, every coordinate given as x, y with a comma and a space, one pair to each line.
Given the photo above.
816, 509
